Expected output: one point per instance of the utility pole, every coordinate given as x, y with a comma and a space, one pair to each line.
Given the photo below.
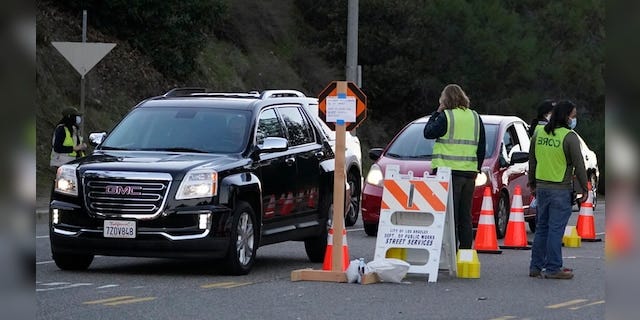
84, 40
352, 69
352, 43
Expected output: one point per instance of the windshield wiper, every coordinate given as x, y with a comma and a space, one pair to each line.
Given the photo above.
420, 156
112, 148
393, 155
176, 149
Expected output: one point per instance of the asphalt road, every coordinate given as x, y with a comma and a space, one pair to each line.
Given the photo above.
140, 288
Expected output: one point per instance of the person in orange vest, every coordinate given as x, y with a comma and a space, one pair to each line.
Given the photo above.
67, 144
554, 157
460, 145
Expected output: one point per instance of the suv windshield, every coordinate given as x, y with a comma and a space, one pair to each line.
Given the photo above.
411, 143
181, 129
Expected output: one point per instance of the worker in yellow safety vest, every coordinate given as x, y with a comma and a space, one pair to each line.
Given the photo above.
554, 157
460, 145
67, 144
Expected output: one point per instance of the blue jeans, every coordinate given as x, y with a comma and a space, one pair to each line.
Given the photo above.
554, 211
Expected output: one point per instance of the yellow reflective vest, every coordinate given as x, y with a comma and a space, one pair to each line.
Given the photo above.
551, 160
457, 149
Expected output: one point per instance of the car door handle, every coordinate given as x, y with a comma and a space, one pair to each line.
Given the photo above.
319, 155
290, 161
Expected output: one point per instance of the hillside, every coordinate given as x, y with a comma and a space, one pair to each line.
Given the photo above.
263, 49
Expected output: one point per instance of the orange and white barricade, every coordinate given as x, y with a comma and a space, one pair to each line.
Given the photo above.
416, 222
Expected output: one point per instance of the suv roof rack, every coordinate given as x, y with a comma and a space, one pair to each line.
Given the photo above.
281, 93
204, 92
183, 92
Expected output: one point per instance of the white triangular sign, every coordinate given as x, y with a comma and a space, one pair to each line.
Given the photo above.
83, 56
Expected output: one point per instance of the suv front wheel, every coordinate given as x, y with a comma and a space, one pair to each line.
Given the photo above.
242, 246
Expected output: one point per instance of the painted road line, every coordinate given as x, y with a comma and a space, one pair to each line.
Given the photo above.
129, 301
109, 286
588, 304
355, 229
65, 287
41, 237
55, 283
505, 318
108, 300
224, 285
44, 262
566, 304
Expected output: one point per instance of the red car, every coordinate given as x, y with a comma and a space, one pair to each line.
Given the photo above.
505, 166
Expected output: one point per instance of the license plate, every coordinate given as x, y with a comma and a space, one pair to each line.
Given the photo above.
119, 229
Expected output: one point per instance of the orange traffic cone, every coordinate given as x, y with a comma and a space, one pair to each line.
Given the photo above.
586, 224
328, 255
516, 235
486, 239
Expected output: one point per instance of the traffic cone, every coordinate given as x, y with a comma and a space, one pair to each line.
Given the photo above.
516, 235
328, 254
486, 239
586, 224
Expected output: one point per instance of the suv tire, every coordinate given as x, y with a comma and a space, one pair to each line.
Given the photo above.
354, 208
242, 244
72, 261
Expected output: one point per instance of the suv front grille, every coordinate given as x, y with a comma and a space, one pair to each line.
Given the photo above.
126, 195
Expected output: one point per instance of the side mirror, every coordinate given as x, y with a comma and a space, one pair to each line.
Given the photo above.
273, 144
95, 138
375, 153
519, 157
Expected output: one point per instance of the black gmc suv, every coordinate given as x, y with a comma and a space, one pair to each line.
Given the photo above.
197, 175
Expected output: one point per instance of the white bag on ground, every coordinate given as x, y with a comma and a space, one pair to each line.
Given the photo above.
352, 271
389, 269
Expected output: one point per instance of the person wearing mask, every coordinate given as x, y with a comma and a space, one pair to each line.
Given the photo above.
67, 144
460, 145
554, 157
542, 116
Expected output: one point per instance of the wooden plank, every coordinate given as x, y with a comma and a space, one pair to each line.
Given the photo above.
369, 278
318, 275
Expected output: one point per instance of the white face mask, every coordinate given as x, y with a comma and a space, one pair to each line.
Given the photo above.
547, 116
78, 120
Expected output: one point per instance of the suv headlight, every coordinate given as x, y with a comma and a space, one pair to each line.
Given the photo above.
375, 176
198, 183
66, 180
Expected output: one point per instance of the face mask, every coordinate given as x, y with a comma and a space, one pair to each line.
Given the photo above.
78, 119
572, 123
547, 116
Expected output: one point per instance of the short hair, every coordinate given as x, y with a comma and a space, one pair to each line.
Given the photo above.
453, 96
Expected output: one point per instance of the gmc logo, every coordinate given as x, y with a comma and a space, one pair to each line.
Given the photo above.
123, 190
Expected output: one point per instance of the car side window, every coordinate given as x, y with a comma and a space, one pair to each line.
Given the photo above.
523, 136
268, 126
298, 128
510, 139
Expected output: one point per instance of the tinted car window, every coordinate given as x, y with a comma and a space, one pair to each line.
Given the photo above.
268, 126
411, 144
195, 129
298, 129
491, 133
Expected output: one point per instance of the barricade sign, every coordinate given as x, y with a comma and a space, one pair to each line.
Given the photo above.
416, 221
